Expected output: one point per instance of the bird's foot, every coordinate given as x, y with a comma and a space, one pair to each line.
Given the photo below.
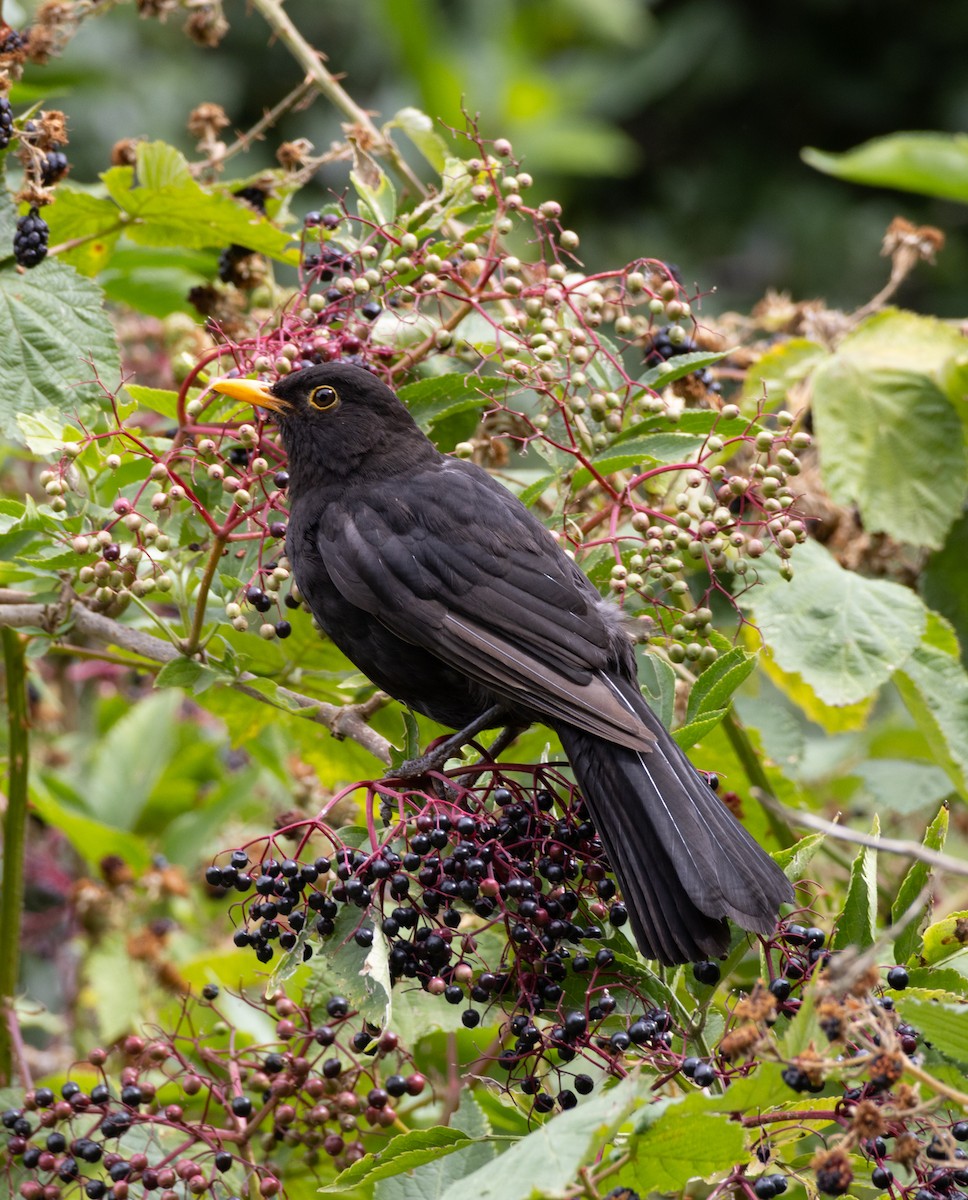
435, 758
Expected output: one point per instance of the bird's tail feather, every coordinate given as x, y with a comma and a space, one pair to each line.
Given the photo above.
684, 863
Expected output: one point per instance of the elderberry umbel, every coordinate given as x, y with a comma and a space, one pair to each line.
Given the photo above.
30, 240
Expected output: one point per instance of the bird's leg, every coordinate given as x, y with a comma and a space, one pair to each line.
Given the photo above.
414, 768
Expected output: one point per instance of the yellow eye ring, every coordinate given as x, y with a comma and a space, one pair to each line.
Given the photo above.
323, 398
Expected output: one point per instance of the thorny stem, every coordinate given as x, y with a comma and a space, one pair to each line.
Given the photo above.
14, 835
310, 60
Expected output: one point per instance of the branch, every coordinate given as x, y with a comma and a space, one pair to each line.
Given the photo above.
912, 850
310, 60
341, 720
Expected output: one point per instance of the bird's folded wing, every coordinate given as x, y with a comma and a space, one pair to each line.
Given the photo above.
463, 570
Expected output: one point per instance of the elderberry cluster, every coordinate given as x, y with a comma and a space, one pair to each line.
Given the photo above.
517, 856
327, 1087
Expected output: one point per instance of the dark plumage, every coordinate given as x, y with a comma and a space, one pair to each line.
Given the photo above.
451, 596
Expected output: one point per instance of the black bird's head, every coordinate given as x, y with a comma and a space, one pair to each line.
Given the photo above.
336, 420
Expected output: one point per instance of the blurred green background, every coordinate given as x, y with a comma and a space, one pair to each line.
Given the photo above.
668, 129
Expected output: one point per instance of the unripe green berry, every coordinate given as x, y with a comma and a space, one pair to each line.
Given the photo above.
568, 239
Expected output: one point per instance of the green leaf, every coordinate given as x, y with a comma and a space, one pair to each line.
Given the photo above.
907, 944
420, 129
901, 785
94, 219
168, 207
762, 1089
547, 1160
130, 759
360, 973
943, 582
843, 634
402, 1153
945, 1026
945, 938
534, 491
714, 687
678, 366
378, 197
158, 400
857, 923
671, 447
692, 732
441, 396
55, 328
932, 164
684, 1143
891, 443
795, 859
657, 677
934, 686
186, 673
92, 839
780, 369
430, 1181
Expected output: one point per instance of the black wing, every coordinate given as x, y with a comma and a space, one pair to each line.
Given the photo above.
450, 561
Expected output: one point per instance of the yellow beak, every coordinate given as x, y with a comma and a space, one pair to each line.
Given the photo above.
250, 391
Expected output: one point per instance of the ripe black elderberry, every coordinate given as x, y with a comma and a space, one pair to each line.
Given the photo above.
30, 240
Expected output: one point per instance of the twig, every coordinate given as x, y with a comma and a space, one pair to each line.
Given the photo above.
342, 720
14, 835
310, 60
943, 862
244, 141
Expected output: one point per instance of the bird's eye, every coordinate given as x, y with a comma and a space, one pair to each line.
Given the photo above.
323, 398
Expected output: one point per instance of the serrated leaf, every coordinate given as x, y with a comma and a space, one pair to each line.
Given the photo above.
912, 885
714, 687
55, 328
890, 442
934, 687
932, 164
168, 207
360, 973
843, 634
441, 396
945, 1026
857, 923
534, 491
686, 736
679, 365
400, 1154
682, 1145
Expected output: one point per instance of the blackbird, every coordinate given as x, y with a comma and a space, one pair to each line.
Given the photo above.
450, 595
